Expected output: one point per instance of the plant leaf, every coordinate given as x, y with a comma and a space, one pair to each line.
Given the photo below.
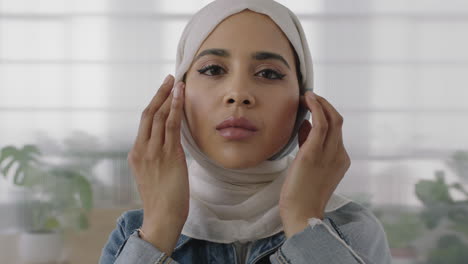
51, 223
433, 192
404, 231
85, 191
83, 221
24, 157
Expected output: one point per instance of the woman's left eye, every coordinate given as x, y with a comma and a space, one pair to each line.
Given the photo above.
215, 70
269, 72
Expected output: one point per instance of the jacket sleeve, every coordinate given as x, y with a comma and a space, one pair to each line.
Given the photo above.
121, 248
360, 241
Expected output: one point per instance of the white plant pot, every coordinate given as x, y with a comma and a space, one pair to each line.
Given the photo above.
38, 247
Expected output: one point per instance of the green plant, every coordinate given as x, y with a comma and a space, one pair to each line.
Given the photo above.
439, 204
450, 249
404, 231
62, 196
458, 162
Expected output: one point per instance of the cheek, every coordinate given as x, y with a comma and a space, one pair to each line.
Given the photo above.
283, 117
196, 110
192, 102
284, 109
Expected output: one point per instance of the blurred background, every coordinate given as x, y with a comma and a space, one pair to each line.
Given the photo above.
76, 75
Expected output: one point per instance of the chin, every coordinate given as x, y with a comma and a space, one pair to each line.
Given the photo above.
236, 160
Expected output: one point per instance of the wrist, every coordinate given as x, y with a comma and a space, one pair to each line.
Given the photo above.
163, 237
294, 225
292, 228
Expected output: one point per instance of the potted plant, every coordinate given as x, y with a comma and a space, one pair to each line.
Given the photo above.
60, 198
439, 205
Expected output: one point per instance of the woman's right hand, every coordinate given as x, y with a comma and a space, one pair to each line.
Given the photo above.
158, 164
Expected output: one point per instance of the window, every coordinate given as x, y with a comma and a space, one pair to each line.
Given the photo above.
75, 77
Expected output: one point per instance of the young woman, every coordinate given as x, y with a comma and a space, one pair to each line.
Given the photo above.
238, 105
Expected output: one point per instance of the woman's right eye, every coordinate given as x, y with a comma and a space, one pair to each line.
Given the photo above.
211, 68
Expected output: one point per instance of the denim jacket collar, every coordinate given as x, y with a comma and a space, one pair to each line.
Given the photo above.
264, 246
259, 248
183, 239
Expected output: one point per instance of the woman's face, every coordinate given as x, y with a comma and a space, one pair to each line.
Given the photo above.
235, 82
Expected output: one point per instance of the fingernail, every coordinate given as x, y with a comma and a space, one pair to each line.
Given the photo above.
166, 80
177, 89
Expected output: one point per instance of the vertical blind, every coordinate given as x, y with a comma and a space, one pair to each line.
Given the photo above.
72, 71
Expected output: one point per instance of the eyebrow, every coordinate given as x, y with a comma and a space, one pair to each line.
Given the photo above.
259, 55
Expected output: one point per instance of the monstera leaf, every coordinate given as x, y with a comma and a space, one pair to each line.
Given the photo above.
26, 158
79, 192
435, 195
433, 192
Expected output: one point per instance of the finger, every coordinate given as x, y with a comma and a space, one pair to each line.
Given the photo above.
146, 121
173, 121
318, 133
157, 138
304, 131
335, 123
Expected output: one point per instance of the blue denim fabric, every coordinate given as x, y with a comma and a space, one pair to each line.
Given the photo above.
351, 234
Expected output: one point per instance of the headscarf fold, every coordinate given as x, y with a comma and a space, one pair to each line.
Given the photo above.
228, 205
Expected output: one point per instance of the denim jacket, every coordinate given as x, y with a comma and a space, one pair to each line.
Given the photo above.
350, 234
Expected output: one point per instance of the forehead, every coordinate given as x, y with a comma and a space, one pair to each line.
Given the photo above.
248, 31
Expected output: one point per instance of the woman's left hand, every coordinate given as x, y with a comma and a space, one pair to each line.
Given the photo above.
319, 166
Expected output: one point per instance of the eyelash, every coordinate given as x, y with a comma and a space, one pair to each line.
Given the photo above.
214, 66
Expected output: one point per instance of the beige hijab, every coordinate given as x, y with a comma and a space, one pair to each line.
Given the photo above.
229, 205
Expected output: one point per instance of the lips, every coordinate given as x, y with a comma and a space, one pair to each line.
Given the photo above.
238, 122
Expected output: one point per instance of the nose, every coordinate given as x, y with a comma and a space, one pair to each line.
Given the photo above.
244, 99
